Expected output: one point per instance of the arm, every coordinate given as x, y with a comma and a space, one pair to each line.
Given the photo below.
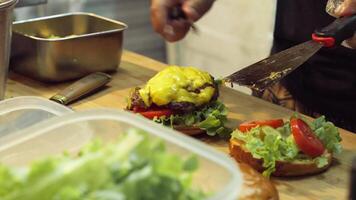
174, 30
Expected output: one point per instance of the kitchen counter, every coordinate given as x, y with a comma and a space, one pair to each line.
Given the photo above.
136, 70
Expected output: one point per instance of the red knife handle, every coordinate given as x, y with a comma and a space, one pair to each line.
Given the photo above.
341, 29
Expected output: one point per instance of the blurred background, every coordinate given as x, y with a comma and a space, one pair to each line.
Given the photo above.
235, 33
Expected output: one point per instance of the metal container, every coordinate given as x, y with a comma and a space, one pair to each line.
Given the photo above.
23, 3
65, 47
6, 8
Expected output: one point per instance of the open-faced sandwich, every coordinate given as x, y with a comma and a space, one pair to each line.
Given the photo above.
291, 148
184, 98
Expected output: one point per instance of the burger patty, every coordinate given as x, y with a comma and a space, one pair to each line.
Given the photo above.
136, 100
177, 107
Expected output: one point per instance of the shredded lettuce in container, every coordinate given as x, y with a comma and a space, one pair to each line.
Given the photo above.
211, 118
136, 167
272, 145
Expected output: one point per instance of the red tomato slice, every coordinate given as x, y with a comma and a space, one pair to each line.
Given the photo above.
305, 138
275, 123
150, 114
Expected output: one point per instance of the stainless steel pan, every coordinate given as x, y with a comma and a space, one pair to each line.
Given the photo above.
6, 8
68, 46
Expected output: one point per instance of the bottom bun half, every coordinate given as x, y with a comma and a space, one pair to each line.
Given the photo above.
283, 169
189, 130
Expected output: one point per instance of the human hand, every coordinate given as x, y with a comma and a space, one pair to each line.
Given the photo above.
348, 7
176, 29
340, 8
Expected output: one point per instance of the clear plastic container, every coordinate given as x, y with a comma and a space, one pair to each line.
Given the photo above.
217, 174
21, 112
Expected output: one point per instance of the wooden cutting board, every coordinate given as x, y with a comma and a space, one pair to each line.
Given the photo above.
135, 70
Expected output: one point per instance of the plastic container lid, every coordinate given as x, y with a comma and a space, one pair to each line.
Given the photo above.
21, 112
218, 174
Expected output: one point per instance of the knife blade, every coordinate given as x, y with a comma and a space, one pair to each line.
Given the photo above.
264, 73
260, 75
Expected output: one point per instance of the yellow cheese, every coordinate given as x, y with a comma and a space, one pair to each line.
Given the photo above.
177, 84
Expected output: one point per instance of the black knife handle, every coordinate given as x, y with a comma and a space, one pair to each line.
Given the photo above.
341, 29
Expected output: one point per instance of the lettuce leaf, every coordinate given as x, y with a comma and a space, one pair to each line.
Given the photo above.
211, 118
136, 167
273, 145
267, 143
328, 133
321, 161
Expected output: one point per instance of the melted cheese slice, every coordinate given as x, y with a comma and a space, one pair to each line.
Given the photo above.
177, 84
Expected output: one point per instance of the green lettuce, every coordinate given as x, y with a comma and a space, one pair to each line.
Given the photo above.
328, 133
211, 118
321, 161
271, 145
268, 144
136, 167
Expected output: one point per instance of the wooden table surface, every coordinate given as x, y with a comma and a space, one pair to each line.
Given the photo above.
136, 70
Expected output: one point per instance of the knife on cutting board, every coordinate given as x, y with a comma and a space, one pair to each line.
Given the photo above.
78, 89
264, 73
82, 87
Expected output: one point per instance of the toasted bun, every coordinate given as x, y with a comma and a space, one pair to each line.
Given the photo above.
296, 168
189, 130
255, 186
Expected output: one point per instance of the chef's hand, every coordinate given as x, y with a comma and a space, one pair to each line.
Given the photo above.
174, 30
346, 8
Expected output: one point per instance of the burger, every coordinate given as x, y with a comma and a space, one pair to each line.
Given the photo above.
286, 148
184, 98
